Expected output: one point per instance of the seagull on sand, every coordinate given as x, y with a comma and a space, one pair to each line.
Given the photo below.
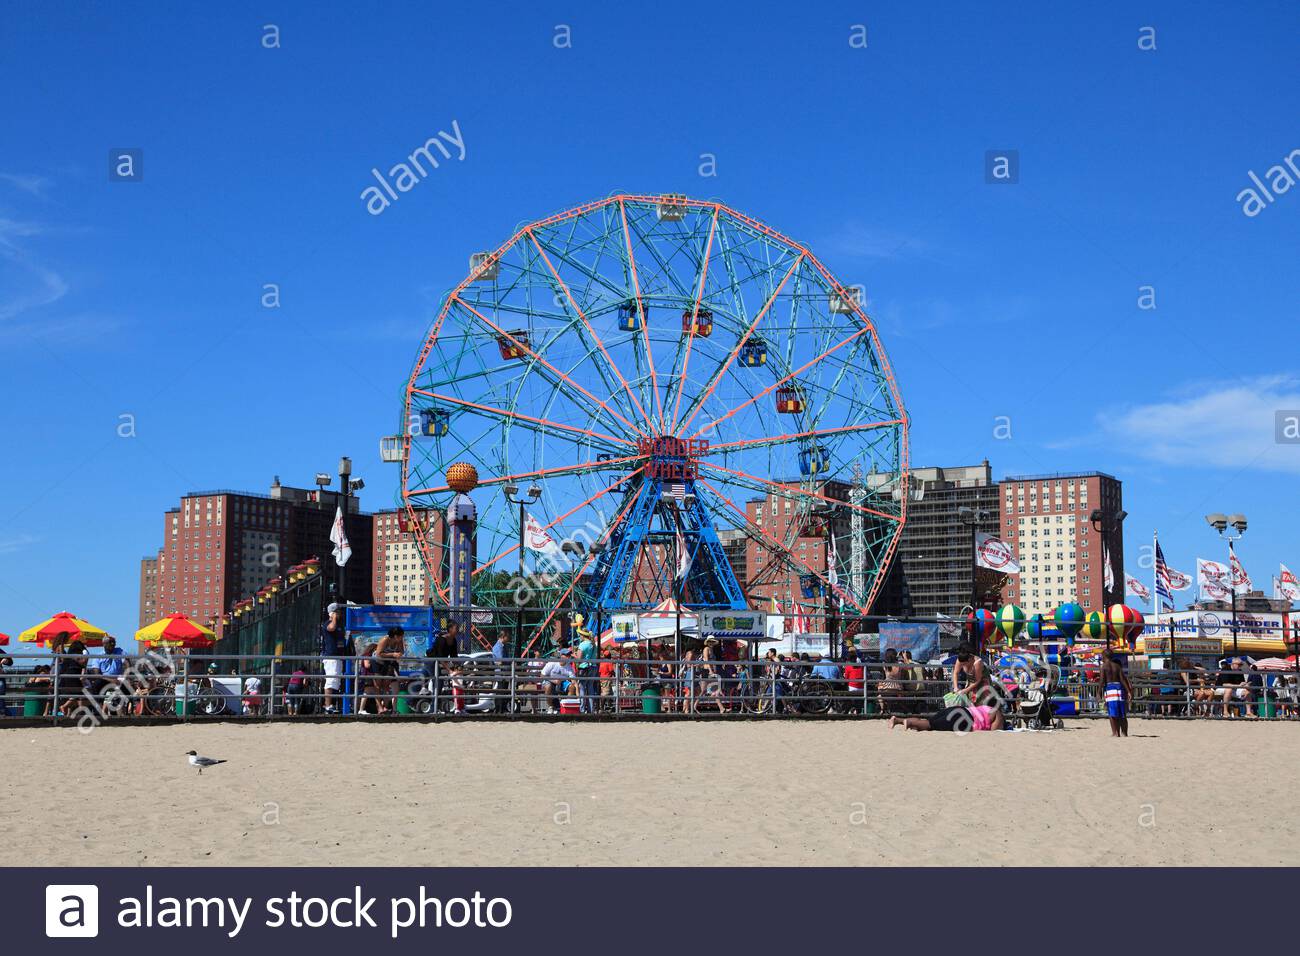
201, 762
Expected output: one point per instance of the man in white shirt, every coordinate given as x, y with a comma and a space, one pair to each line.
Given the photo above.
555, 674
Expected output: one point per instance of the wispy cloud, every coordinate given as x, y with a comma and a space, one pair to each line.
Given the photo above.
27, 282
1223, 424
17, 543
856, 241
64, 330
33, 284
29, 183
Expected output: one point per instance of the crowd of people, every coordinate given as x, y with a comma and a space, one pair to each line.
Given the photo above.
582, 676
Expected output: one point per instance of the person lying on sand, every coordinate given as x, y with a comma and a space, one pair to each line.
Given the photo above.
961, 719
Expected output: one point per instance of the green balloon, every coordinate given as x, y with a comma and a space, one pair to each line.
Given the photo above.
1011, 621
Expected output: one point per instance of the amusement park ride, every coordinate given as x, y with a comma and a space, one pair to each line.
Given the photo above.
675, 378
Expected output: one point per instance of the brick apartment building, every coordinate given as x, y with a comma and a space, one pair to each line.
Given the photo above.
1048, 521
222, 546
397, 571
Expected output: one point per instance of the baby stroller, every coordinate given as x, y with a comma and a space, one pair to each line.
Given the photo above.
1033, 704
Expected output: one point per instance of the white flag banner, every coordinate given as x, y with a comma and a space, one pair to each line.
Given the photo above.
683, 553
1134, 586
1212, 579
832, 574
1178, 581
1109, 577
537, 538
1240, 579
1287, 585
994, 553
339, 538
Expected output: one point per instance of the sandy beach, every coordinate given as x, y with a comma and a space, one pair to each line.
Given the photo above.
744, 793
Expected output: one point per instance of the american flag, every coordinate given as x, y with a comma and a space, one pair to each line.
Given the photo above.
1164, 593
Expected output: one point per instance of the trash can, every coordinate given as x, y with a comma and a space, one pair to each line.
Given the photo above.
184, 708
1268, 707
652, 699
33, 702
404, 702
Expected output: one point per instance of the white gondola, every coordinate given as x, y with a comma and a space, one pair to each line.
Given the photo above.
390, 448
672, 208
854, 295
481, 269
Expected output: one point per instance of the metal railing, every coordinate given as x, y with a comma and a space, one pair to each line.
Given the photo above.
71, 688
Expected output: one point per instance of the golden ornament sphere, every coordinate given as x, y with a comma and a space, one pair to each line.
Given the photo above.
462, 477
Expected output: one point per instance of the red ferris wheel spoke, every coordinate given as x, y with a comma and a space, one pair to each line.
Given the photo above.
779, 382
699, 294
640, 306
751, 443
780, 548
798, 490
603, 406
698, 403
585, 564
582, 315
519, 416
540, 473
547, 527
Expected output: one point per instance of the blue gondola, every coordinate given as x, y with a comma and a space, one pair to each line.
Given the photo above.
809, 586
631, 316
434, 422
753, 353
814, 460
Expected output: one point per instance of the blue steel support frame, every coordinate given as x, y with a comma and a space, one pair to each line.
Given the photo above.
710, 582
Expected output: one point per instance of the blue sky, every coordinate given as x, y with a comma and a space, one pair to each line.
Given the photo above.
143, 299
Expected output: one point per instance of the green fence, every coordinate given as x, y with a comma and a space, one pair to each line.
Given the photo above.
291, 625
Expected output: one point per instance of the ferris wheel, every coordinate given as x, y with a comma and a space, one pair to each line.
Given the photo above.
676, 384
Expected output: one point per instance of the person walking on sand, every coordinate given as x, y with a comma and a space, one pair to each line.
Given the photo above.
1118, 693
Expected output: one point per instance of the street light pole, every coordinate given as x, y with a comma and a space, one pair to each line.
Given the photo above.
827, 516
1221, 523
345, 482
533, 494
1107, 522
971, 518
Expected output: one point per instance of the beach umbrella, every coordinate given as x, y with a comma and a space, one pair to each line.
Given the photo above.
1011, 621
176, 630
1274, 664
1069, 621
67, 623
1125, 623
1096, 628
4, 638
1034, 627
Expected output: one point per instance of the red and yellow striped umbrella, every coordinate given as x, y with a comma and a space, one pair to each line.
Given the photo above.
176, 630
65, 623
